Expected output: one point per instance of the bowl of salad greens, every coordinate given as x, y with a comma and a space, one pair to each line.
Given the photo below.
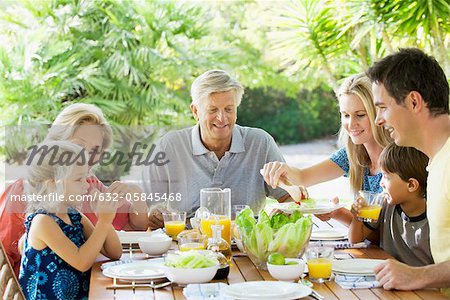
287, 234
190, 267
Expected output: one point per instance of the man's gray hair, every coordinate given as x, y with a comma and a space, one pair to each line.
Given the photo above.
215, 81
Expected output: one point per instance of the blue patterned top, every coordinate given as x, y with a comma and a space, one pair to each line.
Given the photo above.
370, 182
44, 275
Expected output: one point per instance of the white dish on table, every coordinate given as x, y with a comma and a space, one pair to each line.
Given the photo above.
331, 234
138, 271
321, 207
357, 266
132, 237
263, 290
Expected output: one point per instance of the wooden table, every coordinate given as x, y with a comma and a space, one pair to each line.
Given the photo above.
243, 269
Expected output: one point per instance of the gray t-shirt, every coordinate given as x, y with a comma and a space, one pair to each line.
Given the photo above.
193, 167
407, 239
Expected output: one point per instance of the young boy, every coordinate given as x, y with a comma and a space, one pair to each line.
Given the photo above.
402, 225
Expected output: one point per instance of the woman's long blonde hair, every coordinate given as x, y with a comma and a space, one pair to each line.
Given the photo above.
74, 115
360, 85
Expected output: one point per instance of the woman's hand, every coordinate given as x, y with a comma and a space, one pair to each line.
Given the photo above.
328, 216
122, 190
155, 217
274, 172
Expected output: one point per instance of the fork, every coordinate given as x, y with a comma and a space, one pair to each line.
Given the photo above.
139, 286
316, 295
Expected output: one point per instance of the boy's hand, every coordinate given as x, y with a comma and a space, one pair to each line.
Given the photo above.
359, 203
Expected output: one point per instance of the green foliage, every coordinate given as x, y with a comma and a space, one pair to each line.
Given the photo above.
131, 58
137, 59
322, 41
311, 114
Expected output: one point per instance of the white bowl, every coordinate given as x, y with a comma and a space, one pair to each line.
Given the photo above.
187, 276
155, 244
287, 272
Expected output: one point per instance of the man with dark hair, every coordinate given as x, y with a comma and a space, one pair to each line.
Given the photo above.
411, 93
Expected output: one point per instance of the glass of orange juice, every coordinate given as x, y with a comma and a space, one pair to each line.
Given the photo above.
319, 260
174, 223
192, 242
372, 204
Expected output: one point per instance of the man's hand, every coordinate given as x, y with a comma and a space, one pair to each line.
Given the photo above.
155, 218
395, 275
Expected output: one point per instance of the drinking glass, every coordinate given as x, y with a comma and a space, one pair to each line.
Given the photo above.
174, 223
192, 242
217, 203
372, 204
319, 260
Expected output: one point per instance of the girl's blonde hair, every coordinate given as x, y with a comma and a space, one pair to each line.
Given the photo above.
46, 166
360, 85
74, 115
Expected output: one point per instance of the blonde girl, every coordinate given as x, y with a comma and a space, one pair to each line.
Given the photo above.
85, 125
61, 244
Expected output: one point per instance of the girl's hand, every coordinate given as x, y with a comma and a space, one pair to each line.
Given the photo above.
104, 206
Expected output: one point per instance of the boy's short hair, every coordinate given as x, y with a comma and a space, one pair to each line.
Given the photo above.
409, 70
406, 162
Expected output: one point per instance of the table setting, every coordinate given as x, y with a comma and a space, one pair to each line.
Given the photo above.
286, 255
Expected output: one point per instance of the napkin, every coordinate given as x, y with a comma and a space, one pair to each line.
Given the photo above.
356, 281
343, 245
204, 291
115, 263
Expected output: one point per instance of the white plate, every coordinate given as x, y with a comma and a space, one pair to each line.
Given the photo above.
328, 234
132, 237
357, 266
140, 270
322, 207
263, 290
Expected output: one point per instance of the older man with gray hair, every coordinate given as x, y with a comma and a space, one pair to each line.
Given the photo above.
216, 152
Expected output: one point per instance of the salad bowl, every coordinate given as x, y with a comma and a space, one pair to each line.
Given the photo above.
282, 233
190, 267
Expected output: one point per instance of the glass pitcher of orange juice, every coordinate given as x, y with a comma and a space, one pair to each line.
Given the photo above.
216, 205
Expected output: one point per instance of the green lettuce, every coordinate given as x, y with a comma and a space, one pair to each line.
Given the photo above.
281, 233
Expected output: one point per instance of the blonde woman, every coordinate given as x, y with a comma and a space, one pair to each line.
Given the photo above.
363, 142
85, 125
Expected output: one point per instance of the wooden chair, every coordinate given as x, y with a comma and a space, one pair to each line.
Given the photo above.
9, 286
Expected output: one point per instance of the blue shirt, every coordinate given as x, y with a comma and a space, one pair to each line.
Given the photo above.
44, 275
370, 182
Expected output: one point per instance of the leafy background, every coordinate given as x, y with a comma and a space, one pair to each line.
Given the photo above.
137, 59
